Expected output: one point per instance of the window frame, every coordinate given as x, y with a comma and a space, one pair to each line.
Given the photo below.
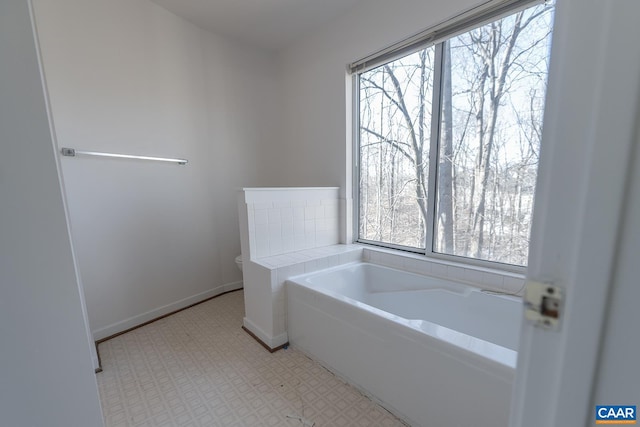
495, 10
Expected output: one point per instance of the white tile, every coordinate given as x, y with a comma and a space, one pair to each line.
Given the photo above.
385, 259
275, 230
251, 219
376, 257
262, 246
333, 260
274, 216
320, 241
278, 303
397, 261
298, 242
322, 263
309, 240
283, 273
334, 236
283, 260
324, 251
266, 263
282, 204
424, 267
298, 213
296, 270
492, 280
275, 245
261, 216
298, 227
262, 231
286, 214
473, 276
413, 265
332, 223
351, 256
252, 245
323, 238
309, 226
320, 211
287, 244
315, 252
287, 229
263, 205
277, 287
310, 266
321, 224
336, 248
289, 259
309, 212
313, 202
273, 259
299, 256
439, 270
455, 273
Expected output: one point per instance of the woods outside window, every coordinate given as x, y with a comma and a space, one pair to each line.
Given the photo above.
449, 137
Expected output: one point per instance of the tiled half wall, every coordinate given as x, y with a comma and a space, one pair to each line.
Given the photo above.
283, 230
283, 220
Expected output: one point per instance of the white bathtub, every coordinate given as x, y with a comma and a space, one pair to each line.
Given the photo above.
434, 352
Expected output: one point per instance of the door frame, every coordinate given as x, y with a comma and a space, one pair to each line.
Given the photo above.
589, 134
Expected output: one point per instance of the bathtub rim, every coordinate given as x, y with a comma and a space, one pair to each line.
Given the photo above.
494, 353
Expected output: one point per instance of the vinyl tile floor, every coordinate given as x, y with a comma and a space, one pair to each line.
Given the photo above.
199, 368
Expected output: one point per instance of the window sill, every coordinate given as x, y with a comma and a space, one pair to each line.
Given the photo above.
481, 277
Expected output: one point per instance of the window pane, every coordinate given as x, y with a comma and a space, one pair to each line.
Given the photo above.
494, 84
395, 126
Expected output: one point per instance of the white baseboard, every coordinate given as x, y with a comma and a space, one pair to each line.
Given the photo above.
271, 342
134, 321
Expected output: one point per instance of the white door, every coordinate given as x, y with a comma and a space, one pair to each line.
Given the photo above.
584, 224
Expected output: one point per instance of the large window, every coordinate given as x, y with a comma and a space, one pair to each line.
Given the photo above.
449, 138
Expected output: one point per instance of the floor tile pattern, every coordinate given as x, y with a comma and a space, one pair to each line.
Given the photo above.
199, 368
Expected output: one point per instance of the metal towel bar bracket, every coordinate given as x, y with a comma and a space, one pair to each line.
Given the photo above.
72, 152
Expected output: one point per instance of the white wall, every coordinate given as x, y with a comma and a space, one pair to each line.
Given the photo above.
46, 374
130, 77
282, 220
315, 128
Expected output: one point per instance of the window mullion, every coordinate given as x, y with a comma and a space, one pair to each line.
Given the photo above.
434, 146
356, 171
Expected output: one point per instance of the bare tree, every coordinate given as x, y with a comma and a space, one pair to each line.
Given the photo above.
485, 189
